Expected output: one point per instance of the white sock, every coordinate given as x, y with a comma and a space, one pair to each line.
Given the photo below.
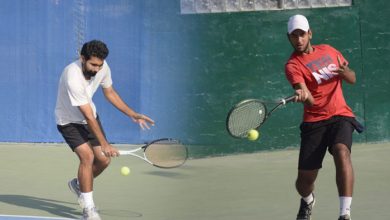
345, 205
308, 199
87, 199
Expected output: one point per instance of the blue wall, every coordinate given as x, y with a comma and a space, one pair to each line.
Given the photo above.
39, 38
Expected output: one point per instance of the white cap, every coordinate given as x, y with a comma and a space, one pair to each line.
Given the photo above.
297, 22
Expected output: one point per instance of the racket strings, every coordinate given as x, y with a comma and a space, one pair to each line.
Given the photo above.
166, 155
246, 117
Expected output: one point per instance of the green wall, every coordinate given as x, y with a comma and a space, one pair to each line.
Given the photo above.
374, 22
227, 57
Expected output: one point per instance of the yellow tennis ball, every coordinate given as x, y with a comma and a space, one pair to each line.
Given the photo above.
125, 171
253, 135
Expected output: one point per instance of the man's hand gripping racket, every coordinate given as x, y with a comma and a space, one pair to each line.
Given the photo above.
250, 114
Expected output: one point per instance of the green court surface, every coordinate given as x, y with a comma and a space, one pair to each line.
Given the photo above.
246, 186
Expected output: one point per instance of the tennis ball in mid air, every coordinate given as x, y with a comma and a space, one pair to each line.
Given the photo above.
125, 171
253, 135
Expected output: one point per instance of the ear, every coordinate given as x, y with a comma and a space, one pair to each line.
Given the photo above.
82, 58
310, 34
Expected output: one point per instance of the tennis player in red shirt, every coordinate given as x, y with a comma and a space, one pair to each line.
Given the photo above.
316, 73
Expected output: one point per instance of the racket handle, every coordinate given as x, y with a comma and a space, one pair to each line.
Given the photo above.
123, 152
288, 99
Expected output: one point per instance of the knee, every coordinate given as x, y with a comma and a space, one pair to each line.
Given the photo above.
106, 162
306, 178
303, 181
103, 161
341, 151
87, 158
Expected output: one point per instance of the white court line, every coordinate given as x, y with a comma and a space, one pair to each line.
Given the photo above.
21, 217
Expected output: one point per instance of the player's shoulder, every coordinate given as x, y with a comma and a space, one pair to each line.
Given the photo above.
72, 72
292, 65
292, 60
73, 67
105, 65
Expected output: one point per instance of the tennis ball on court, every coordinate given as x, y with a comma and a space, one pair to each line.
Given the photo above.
125, 171
253, 135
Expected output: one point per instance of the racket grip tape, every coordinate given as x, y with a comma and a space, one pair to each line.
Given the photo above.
288, 99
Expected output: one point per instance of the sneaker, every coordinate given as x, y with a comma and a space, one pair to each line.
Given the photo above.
304, 212
74, 187
91, 214
345, 217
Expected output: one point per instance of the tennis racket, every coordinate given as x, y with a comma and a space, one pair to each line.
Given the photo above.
250, 114
162, 153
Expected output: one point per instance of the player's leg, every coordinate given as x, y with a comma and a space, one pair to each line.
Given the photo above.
344, 169
305, 187
344, 178
94, 162
341, 135
85, 179
100, 162
312, 152
85, 171
76, 135
305, 182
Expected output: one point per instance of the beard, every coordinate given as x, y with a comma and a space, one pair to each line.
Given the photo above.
89, 74
303, 48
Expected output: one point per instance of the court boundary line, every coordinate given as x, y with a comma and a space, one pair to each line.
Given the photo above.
35, 217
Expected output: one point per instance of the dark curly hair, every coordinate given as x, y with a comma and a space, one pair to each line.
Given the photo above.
94, 48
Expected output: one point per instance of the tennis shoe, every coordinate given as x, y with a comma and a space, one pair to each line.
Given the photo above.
345, 217
74, 187
305, 209
91, 214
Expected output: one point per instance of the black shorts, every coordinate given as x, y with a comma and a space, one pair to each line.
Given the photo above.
317, 137
78, 134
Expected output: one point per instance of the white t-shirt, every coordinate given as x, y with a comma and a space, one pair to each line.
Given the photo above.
74, 90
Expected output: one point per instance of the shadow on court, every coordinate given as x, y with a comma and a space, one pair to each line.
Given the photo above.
119, 213
51, 206
167, 174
